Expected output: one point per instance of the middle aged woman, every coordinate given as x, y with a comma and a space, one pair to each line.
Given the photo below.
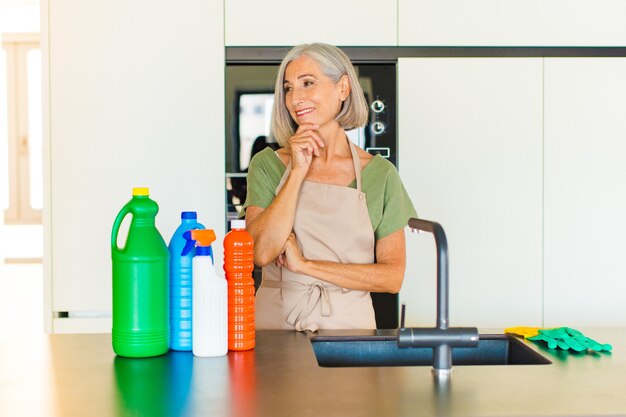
327, 217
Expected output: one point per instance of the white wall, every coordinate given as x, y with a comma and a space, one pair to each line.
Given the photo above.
284, 22
521, 160
470, 156
427, 23
585, 191
511, 23
19, 16
135, 99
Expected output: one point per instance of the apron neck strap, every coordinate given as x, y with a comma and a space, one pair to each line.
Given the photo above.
356, 161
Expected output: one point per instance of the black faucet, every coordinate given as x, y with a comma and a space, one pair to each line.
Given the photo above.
441, 338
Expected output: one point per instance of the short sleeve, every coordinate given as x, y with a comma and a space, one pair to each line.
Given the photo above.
397, 207
264, 174
388, 203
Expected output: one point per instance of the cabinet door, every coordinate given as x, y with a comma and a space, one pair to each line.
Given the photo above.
511, 23
130, 105
285, 23
470, 156
585, 191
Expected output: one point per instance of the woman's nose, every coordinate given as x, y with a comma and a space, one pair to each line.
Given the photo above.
297, 96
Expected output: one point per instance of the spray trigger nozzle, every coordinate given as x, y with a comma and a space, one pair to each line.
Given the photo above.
203, 239
190, 243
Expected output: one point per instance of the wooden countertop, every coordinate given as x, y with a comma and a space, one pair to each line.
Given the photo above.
79, 375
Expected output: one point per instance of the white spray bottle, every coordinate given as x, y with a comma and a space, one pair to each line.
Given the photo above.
209, 300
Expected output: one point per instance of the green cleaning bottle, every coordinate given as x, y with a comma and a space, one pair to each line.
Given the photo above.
140, 282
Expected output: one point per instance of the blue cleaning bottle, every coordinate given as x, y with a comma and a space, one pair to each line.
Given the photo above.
181, 292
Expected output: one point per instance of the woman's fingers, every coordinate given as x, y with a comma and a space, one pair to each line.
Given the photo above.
293, 254
307, 139
310, 130
305, 142
280, 260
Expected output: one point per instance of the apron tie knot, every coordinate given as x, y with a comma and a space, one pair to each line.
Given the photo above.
305, 305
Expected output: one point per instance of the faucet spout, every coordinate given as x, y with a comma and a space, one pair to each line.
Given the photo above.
441, 243
442, 338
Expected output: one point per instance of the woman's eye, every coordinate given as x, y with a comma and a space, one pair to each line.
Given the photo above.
308, 83
287, 88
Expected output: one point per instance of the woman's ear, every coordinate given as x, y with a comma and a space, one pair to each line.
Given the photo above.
344, 87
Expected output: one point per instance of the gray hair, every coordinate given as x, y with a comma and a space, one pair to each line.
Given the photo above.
334, 64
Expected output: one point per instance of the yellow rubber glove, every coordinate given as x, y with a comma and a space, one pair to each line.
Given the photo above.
524, 331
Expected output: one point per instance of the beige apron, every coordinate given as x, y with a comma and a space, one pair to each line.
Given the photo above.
332, 224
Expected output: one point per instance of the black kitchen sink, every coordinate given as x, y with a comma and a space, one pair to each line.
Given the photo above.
351, 351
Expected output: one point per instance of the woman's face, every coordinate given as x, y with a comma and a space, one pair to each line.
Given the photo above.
310, 96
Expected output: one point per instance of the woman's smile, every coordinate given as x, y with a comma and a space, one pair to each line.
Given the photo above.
302, 112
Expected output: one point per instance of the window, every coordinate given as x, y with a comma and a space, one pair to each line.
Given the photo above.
21, 176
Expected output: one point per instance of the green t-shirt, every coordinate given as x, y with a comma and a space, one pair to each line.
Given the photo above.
388, 203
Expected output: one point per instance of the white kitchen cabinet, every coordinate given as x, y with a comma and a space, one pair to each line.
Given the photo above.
585, 191
511, 23
134, 98
470, 156
286, 23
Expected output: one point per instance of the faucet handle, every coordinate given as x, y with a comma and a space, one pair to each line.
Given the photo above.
434, 337
402, 314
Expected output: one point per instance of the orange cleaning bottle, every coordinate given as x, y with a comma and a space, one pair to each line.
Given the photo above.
238, 265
